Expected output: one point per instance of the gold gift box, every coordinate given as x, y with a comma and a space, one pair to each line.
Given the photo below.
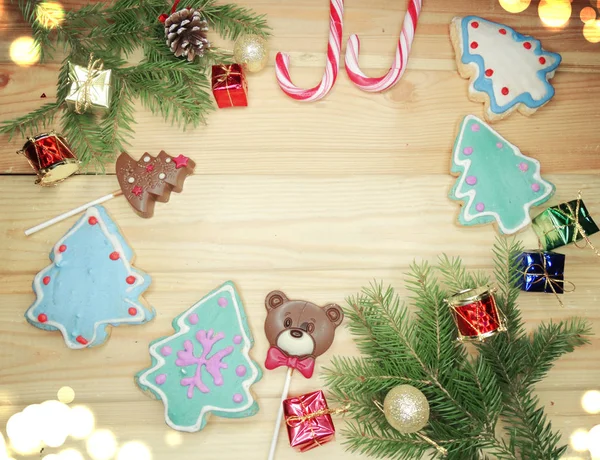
91, 90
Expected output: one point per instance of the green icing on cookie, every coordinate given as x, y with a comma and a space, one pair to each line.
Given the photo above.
496, 182
205, 366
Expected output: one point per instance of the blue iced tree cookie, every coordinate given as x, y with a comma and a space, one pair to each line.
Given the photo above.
508, 71
90, 284
496, 182
205, 366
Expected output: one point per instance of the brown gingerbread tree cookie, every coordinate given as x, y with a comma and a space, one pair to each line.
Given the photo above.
151, 179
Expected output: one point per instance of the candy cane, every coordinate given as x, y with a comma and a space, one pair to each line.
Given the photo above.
282, 61
407, 36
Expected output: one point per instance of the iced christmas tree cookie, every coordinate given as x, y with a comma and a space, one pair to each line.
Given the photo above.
205, 366
90, 284
496, 182
508, 71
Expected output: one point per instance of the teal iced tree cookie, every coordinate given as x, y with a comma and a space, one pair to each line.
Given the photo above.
205, 366
496, 181
90, 284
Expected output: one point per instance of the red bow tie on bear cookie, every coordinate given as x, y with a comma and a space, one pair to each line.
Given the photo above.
277, 358
298, 331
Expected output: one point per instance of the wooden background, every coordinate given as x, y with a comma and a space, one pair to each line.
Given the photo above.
314, 199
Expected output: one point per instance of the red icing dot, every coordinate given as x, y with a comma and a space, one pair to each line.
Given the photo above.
527, 45
132, 311
81, 340
505, 91
475, 24
42, 318
92, 220
46, 280
502, 31
489, 72
542, 60
150, 168
62, 248
137, 190
114, 255
130, 279
474, 45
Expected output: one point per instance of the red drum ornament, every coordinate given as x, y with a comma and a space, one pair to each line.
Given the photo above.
50, 157
476, 314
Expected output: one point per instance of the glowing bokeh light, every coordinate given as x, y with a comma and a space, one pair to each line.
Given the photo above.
82, 422
23, 435
591, 31
593, 441
173, 438
51, 457
515, 6
66, 395
54, 423
134, 450
579, 440
70, 454
554, 13
101, 445
24, 51
49, 14
590, 402
587, 14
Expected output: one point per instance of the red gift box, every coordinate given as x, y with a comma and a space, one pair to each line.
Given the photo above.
308, 421
229, 86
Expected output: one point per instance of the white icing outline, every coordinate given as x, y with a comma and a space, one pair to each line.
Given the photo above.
39, 291
183, 329
466, 164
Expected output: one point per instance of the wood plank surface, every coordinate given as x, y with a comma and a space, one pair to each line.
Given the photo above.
314, 199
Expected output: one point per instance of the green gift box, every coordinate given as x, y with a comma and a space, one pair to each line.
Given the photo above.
564, 224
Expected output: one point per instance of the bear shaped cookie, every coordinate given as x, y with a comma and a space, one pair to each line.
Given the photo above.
298, 331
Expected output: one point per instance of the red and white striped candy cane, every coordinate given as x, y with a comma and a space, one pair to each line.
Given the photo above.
384, 83
282, 61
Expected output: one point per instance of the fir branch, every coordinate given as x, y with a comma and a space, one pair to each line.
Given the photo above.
33, 122
82, 133
551, 341
116, 128
231, 20
164, 87
41, 33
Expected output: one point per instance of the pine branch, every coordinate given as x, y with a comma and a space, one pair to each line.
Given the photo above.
116, 128
32, 123
231, 21
550, 342
82, 133
167, 88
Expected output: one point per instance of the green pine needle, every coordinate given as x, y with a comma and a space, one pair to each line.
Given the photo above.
482, 405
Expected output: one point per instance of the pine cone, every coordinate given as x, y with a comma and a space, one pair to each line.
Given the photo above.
186, 33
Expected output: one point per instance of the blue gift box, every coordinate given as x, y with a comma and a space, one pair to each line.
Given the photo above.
542, 272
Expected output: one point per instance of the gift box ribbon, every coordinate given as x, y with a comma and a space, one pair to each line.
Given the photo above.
84, 100
573, 218
296, 420
544, 276
228, 72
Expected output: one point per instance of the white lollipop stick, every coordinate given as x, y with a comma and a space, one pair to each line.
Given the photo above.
398, 68
284, 395
70, 213
282, 61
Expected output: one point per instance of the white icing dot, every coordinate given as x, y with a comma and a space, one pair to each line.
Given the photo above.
146, 159
168, 160
131, 180
162, 176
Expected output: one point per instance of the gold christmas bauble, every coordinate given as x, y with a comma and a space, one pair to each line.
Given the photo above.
252, 52
406, 408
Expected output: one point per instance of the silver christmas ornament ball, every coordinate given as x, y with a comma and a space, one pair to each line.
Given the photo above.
406, 408
252, 52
